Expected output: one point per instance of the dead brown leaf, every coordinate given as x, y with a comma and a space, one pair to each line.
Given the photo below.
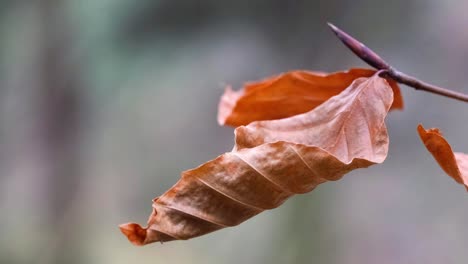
271, 161
289, 94
455, 164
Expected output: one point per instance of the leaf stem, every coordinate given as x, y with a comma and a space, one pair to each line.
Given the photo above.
374, 60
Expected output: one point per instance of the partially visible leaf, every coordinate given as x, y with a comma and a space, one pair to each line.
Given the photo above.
289, 94
455, 164
271, 161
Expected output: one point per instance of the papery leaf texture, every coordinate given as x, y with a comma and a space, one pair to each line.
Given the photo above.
271, 161
455, 164
289, 94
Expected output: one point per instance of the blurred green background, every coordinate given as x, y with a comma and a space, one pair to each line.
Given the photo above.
104, 103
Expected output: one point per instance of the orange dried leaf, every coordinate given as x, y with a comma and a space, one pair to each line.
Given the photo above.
288, 94
271, 161
455, 164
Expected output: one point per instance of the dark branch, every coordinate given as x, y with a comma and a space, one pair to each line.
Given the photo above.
374, 60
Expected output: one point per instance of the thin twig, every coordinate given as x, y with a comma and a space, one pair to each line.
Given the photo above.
374, 60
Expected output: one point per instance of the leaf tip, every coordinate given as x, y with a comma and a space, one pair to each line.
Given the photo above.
226, 105
433, 131
134, 232
420, 128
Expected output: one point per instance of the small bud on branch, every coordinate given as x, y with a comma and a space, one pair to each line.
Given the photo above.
374, 60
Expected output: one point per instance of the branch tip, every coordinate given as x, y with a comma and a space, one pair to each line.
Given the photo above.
374, 60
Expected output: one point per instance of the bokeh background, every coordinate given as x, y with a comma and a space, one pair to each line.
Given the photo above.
104, 103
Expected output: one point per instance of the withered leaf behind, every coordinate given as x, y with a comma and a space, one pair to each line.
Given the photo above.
289, 94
